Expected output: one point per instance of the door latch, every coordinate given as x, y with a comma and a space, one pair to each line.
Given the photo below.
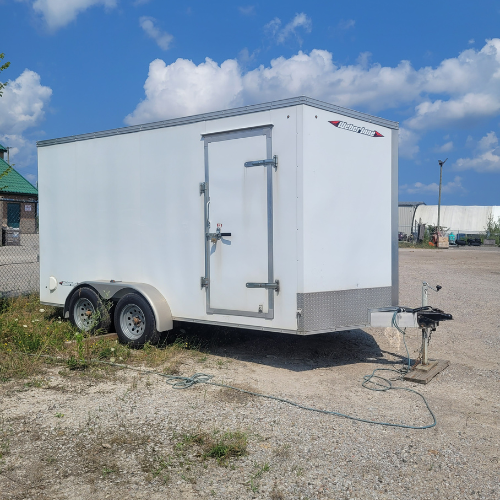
268, 286
213, 237
272, 161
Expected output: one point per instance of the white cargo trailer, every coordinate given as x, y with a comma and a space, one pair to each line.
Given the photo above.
280, 216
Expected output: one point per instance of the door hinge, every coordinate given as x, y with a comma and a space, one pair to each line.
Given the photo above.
273, 162
268, 286
202, 187
204, 282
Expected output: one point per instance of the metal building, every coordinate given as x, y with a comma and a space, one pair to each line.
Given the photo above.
406, 211
457, 219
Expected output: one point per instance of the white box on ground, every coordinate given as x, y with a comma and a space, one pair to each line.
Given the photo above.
303, 239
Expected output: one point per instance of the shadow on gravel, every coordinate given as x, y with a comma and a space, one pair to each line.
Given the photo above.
280, 350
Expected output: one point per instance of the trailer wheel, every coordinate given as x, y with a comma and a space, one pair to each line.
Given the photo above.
134, 321
87, 311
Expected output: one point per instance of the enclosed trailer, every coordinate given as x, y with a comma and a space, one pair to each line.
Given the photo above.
280, 216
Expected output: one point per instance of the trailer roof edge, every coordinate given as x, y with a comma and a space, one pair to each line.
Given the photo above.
214, 115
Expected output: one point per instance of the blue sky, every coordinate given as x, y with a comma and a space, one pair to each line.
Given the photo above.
85, 65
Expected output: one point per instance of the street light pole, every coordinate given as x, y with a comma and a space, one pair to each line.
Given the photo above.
441, 163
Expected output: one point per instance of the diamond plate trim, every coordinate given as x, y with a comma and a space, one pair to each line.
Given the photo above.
338, 309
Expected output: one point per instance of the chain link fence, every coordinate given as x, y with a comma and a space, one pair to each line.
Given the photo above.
19, 250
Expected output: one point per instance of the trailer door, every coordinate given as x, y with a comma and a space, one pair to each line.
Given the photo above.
239, 276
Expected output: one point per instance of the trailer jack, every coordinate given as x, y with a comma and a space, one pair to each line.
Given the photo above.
426, 318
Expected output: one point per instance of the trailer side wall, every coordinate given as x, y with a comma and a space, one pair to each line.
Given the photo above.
128, 208
347, 221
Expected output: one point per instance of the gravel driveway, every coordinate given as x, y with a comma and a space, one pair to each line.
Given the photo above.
133, 436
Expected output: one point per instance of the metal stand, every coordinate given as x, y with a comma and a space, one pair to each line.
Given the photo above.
427, 369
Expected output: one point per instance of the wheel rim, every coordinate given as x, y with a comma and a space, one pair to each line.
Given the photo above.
83, 313
132, 322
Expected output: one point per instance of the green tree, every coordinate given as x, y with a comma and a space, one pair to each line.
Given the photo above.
493, 228
2, 67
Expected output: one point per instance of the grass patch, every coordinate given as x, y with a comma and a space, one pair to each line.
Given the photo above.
219, 446
29, 331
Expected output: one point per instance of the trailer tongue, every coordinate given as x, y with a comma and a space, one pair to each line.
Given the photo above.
425, 317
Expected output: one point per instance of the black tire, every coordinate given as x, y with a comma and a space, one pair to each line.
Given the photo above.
134, 321
88, 312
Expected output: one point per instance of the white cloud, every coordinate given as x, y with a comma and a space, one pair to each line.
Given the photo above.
467, 86
273, 26
22, 104
468, 107
59, 13
183, 88
364, 59
162, 38
249, 10
408, 143
420, 188
447, 146
32, 178
487, 156
22, 107
472, 41
291, 29
22, 151
346, 24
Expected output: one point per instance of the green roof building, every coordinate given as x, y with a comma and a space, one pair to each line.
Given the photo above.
18, 198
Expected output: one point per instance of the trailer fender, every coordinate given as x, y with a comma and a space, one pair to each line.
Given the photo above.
115, 290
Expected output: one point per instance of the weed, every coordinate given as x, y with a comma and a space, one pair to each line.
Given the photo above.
220, 446
59, 415
106, 471
106, 353
35, 383
253, 486
230, 444
254, 478
75, 363
191, 480
158, 467
29, 333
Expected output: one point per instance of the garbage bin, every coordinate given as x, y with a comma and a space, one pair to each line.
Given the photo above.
10, 236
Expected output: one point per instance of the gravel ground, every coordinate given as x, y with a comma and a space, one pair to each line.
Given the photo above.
71, 436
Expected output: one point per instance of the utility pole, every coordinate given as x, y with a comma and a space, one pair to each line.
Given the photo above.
441, 163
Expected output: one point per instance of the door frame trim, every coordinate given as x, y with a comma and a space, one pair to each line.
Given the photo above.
226, 135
